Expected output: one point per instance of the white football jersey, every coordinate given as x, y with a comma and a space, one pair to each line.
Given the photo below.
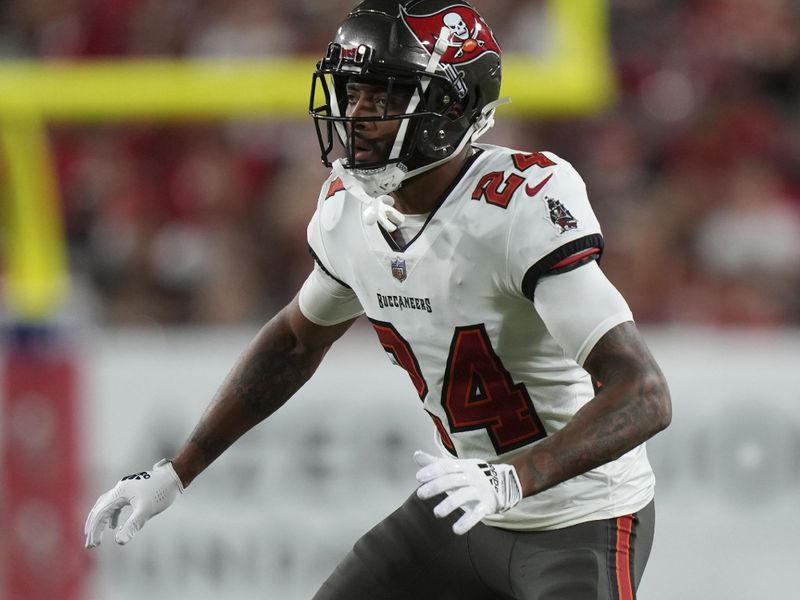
454, 308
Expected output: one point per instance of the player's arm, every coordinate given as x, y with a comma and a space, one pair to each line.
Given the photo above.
553, 245
632, 405
592, 322
280, 359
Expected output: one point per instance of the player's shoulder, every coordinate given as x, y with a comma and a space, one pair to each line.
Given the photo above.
331, 187
536, 197
519, 160
332, 203
509, 178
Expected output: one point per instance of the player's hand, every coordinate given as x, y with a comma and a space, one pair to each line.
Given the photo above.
148, 493
477, 487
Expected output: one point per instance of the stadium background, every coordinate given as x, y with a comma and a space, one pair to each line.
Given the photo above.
183, 235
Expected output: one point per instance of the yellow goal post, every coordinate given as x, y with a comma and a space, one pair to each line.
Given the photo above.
574, 77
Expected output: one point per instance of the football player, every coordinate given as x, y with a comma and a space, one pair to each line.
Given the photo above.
477, 266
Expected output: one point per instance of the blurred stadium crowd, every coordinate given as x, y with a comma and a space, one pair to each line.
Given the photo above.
694, 172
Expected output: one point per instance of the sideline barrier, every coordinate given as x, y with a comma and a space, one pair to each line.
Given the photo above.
272, 516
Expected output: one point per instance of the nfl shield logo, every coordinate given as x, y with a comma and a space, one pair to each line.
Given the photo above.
399, 269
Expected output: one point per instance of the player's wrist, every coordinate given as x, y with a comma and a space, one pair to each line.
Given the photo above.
512, 487
166, 465
185, 469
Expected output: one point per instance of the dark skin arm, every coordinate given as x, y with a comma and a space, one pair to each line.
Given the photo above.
633, 405
279, 360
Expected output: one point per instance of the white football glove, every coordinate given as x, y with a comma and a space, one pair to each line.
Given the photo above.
477, 487
148, 493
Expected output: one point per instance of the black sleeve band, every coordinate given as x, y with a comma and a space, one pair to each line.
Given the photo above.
544, 265
325, 269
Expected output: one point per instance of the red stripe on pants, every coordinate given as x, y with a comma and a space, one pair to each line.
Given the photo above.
623, 557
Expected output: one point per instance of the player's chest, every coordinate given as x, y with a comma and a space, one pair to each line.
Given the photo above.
449, 272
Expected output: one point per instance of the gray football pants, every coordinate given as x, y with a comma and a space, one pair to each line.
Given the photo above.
412, 555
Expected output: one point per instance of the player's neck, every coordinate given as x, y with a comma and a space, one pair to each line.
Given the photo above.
420, 194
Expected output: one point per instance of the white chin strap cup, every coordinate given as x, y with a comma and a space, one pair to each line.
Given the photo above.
378, 207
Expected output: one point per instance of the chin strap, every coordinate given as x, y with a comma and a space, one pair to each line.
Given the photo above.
377, 209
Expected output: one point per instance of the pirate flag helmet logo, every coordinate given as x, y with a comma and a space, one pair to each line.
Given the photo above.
468, 37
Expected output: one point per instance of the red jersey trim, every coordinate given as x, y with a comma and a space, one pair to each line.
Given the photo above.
573, 258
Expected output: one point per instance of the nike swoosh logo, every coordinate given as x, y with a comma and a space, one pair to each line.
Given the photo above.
532, 191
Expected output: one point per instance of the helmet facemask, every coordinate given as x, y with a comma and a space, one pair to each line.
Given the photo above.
430, 106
